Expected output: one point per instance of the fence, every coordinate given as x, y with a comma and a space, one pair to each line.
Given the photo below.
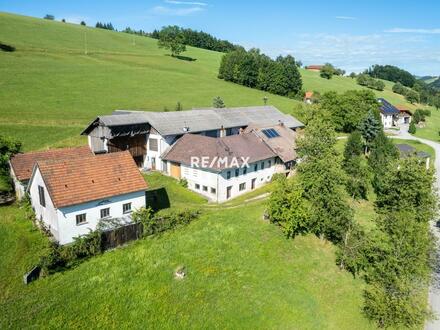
115, 237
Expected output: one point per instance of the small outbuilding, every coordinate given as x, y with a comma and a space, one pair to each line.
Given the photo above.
22, 164
71, 196
405, 114
406, 150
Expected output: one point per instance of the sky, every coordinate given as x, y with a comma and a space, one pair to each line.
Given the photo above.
349, 34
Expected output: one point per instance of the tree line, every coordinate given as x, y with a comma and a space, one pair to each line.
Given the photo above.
256, 70
199, 39
391, 73
370, 82
394, 257
105, 26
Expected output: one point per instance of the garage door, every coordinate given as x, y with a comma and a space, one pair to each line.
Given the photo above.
175, 170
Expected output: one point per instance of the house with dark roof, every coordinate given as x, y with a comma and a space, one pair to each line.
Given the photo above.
225, 167
405, 150
147, 135
389, 114
72, 196
22, 164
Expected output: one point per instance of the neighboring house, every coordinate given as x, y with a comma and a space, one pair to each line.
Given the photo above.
389, 114
71, 196
147, 135
314, 67
22, 164
406, 150
405, 115
226, 167
308, 97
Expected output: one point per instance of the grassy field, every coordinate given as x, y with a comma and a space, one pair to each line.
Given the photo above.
50, 89
242, 273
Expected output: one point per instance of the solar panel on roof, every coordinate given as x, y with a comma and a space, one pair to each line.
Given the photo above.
270, 133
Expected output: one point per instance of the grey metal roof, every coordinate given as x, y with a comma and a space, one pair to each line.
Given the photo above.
171, 123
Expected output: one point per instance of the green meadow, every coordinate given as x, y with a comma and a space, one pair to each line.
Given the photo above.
242, 271
63, 75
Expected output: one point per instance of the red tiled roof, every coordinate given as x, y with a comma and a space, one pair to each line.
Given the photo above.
308, 95
80, 180
403, 108
314, 67
22, 164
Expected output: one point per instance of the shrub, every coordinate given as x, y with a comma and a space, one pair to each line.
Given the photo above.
154, 224
412, 128
183, 182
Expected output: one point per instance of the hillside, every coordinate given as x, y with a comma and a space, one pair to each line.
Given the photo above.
50, 89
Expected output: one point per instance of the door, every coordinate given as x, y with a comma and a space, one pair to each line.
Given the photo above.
253, 183
175, 170
228, 192
153, 163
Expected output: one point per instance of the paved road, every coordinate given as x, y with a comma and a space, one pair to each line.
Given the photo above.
434, 292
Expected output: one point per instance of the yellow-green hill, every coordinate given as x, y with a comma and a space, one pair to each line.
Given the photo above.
61, 75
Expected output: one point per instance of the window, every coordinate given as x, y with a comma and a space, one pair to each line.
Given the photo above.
262, 165
126, 208
152, 144
228, 174
105, 213
270, 133
256, 167
81, 219
242, 186
41, 196
197, 186
269, 163
213, 190
237, 172
205, 188
244, 170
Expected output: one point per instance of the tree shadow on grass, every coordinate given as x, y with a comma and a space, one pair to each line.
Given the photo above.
184, 58
6, 48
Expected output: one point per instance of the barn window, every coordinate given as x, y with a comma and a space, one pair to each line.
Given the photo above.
228, 175
205, 188
81, 218
213, 190
242, 186
153, 144
41, 196
256, 167
237, 172
126, 208
197, 186
105, 213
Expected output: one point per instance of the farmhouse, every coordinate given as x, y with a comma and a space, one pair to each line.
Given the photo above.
147, 135
168, 141
71, 196
389, 114
225, 167
21, 165
405, 115
308, 97
314, 67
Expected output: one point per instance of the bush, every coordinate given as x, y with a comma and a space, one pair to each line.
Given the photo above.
183, 182
154, 224
62, 257
412, 128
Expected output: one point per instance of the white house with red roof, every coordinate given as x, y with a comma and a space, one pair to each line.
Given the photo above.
72, 196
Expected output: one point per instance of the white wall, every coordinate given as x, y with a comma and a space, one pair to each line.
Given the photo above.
387, 120
163, 143
68, 229
47, 214
220, 182
19, 186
